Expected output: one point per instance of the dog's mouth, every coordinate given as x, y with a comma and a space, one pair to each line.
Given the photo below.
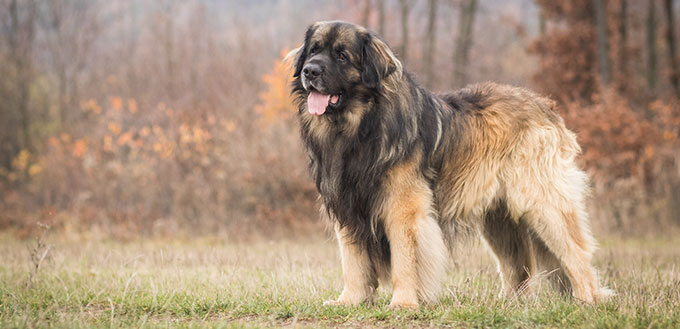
318, 102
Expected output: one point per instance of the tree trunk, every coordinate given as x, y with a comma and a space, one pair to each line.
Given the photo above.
651, 46
26, 74
670, 39
366, 15
623, 46
54, 13
169, 47
463, 42
602, 41
15, 108
430, 42
381, 18
404, 29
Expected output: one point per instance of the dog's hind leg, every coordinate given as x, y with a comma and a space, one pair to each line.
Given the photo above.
358, 274
520, 254
553, 207
563, 233
549, 265
510, 241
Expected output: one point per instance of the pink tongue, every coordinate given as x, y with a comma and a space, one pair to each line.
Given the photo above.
317, 102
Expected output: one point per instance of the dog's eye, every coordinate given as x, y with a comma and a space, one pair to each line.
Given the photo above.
342, 57
314, 49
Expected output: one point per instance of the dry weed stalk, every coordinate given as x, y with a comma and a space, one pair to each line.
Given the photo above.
38, 253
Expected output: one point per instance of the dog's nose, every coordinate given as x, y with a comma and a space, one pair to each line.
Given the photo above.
312, 70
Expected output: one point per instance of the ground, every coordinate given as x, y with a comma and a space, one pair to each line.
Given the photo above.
213, 283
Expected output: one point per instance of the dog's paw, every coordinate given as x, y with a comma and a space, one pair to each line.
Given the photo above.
339, 302
403, 306
603, 294
331, 302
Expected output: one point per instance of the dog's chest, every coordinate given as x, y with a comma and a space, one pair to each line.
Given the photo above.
348, 176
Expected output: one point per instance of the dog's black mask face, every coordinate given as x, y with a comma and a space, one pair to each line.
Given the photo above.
338, 63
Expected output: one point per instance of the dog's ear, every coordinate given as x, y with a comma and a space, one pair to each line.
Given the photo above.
377, 60
291, 57
302, 52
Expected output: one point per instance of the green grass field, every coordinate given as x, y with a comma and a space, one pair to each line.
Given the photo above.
209, 283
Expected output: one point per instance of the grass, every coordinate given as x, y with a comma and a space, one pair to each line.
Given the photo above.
208, 283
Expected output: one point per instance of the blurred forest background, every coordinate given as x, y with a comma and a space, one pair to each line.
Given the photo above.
123, 118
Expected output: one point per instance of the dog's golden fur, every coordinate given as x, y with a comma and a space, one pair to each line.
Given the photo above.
402, 171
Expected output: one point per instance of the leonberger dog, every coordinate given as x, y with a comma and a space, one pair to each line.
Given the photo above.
402, 172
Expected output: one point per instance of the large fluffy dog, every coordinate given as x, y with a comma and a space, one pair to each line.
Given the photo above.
400, 170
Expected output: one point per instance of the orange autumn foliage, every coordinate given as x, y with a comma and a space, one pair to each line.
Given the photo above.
159, 174
275, 100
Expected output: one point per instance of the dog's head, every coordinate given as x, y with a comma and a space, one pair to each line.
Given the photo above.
340, 62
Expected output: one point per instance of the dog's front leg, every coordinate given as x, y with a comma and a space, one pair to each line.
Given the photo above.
358, 274
401, 235
417, 249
